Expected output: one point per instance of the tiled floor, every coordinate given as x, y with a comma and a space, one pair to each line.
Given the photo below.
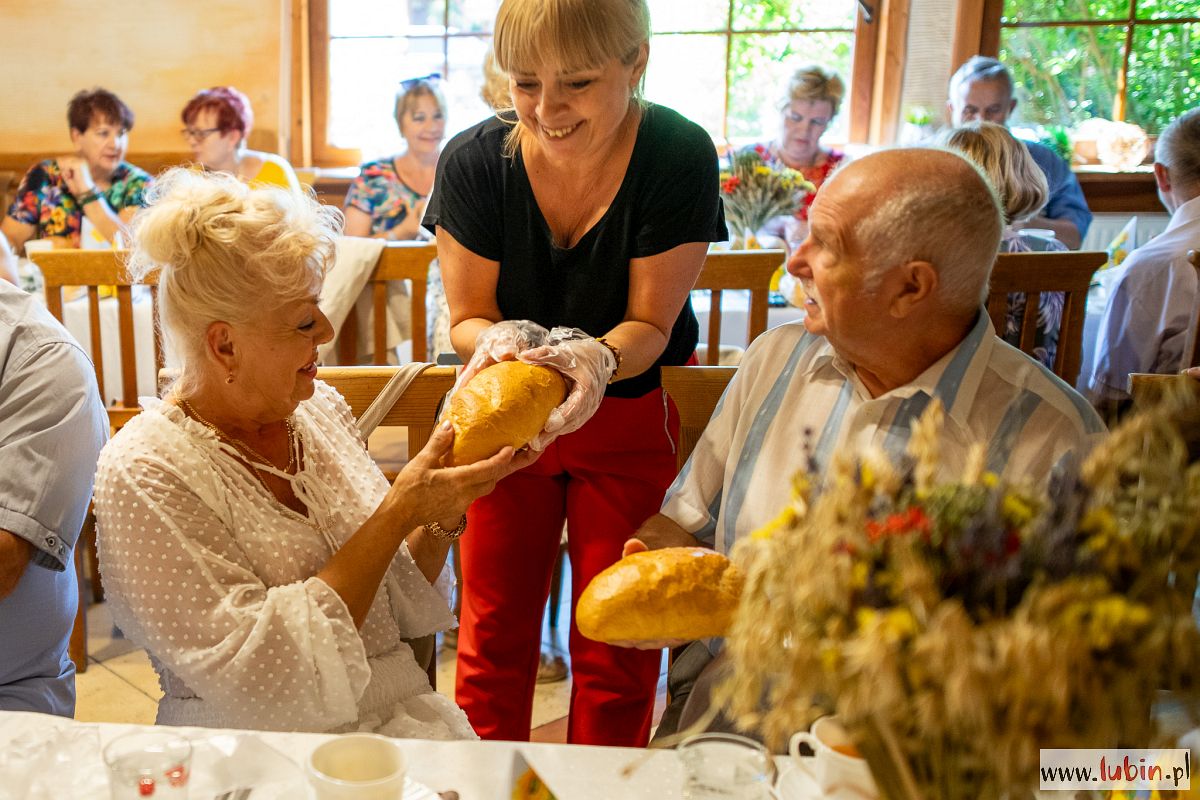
121, 686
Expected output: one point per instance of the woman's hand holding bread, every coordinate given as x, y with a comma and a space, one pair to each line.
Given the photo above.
588, 366
433, 492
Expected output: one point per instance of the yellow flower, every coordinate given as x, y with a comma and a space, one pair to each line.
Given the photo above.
1016, 509
859, 574
1099, 521
990, 479
762, 170
784, 519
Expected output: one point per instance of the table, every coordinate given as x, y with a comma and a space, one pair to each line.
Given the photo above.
735, 308
476, 770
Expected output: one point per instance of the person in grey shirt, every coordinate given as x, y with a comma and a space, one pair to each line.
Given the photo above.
52, 426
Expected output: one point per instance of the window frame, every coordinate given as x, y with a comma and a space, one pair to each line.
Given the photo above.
875, 82
981, 24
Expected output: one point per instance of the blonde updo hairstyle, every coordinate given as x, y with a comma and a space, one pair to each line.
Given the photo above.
1008, 165
571, 34
226, 252
815, 83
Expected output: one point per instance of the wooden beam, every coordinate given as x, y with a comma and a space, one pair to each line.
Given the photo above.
862, 75
300, 141
889, 71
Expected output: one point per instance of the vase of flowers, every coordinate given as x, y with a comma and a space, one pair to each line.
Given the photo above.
956, 628
754, 192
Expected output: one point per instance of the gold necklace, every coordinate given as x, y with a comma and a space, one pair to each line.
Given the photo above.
242, 446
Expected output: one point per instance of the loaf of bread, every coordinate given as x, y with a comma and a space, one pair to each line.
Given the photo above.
504, 404
671, 593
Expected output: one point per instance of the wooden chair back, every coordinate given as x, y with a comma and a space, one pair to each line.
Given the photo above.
737, 269
1034, 273
696, 391
416, 409
399, 261
93, 269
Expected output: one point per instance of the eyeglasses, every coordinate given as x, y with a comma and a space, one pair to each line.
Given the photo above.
411, 83
199, 134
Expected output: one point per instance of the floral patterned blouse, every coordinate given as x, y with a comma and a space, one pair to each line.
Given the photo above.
816, 174
381, 192
43, 200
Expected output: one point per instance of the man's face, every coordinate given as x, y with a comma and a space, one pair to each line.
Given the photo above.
838, 304
988, 100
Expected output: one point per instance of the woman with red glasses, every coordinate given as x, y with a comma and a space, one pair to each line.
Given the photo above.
217, 123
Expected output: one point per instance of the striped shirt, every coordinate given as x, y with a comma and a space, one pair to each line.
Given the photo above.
792, 392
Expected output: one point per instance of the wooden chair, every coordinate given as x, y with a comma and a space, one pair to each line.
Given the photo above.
93, 269
696, 391
417, 410
1034, 273
737, 269
399, 261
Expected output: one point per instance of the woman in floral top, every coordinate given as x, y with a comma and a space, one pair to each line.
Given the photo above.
57, 194
387, 199
813, 98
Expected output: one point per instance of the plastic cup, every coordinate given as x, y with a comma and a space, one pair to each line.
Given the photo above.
153, 764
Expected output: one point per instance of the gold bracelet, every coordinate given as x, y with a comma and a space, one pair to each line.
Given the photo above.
616, 351
438, 532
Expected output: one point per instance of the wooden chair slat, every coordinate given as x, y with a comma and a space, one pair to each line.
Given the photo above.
93, 295
158, 351
1035, 273
379, 292
713, 355
129, 393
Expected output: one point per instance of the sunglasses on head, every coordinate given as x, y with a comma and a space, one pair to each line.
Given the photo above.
409, 84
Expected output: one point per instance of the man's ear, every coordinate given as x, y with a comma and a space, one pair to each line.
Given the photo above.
1162, 177
916, 283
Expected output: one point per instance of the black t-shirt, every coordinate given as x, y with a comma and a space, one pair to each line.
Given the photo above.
668, 197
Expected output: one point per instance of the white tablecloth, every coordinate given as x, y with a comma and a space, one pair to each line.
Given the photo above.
476, 770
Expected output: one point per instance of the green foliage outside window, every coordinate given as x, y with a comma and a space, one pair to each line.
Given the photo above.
1068, 73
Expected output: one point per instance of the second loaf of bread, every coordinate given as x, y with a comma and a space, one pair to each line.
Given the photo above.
671, 593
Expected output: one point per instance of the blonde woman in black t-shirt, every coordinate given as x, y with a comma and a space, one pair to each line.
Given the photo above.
570, 230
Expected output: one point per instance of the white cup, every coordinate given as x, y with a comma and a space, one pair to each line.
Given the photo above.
835, 765
357, 766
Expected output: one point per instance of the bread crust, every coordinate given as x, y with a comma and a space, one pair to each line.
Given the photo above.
505, 404
670, 593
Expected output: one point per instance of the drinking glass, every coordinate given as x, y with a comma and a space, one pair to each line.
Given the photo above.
142, 765
724, 766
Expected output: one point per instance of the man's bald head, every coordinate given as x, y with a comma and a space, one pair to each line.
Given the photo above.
922, 204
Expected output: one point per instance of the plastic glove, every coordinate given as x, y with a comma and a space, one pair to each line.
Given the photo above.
587, 365
501, 342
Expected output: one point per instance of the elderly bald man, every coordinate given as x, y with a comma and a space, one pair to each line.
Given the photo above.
896, 268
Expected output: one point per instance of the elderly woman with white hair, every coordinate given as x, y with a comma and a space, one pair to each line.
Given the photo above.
247, 540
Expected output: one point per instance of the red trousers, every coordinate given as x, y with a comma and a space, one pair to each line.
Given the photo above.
605, 480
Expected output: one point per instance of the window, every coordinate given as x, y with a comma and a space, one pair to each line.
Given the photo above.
1134, 60
722, 63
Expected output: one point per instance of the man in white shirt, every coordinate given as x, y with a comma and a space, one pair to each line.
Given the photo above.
895, 269
1150, 314
982, 89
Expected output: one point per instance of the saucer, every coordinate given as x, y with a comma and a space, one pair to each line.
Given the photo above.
794, 784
